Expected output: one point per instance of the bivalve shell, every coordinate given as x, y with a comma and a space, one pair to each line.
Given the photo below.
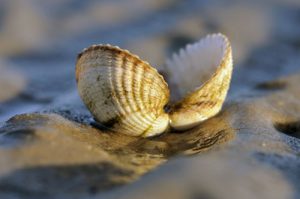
127, 95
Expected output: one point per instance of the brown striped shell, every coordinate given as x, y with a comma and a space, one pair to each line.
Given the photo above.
122, 92
127, 95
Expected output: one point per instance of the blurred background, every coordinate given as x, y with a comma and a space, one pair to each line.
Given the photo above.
47, 156
39, 40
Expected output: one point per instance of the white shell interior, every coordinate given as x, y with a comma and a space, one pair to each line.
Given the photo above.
195, 64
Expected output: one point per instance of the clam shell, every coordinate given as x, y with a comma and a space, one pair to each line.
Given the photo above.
127, 95
207, 63
121, 91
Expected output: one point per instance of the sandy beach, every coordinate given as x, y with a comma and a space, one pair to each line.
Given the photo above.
51, 148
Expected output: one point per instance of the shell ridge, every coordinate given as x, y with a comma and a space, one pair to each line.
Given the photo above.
118, 71
128, 53
116, 103
145, 96
206, 100
141, 84
126, 77
133, 111
145, 115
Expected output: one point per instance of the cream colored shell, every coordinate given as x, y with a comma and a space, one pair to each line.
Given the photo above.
127, 95
122, 92
207, 63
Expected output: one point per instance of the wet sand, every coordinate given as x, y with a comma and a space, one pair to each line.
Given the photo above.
50, 148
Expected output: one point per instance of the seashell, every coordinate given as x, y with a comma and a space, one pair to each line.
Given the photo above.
122, 92
207, 63
128, 95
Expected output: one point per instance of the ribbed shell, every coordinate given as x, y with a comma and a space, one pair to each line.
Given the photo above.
128, 96
121, 91
208, 64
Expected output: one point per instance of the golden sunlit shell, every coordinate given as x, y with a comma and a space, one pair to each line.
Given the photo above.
122, 92
128, 96
207, 63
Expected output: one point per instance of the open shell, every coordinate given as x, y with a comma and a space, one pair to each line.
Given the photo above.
127, 95
207, 63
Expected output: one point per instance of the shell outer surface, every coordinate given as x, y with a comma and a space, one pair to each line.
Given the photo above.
122, 92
